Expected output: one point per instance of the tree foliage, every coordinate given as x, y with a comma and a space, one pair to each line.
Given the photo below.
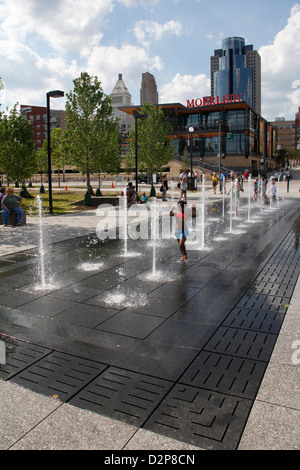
17, 155
155, 150
90, 134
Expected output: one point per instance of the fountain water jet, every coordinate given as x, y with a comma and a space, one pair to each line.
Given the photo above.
231, 205
125, 222
249, 198
41, 243
44, 284
203, 214
154, 232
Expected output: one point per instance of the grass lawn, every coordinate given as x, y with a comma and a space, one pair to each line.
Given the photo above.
61, 201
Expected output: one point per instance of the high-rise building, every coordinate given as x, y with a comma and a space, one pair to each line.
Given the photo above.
120, 96
148, 91
236, 68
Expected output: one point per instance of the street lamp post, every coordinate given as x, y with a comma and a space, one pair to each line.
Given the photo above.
50, 94
220, 147
191, 130
136, 117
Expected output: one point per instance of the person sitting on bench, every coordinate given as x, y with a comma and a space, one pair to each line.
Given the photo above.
11, 203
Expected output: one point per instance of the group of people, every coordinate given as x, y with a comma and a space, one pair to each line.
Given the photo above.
260, 189
223, 178
183, 213
9, 204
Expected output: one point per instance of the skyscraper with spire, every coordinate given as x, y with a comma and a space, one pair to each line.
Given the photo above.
120, 96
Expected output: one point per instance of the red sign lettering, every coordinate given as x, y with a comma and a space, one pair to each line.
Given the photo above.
214, 101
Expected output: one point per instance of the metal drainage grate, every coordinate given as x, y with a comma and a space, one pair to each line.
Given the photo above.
264, 302
254, 319
123, 395
280, 274
59, 374
19, 355
272, 289
201, 417
242, 343
225, 374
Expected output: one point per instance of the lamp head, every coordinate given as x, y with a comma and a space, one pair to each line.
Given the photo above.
56, 94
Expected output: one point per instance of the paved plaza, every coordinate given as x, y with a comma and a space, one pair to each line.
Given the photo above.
201, 355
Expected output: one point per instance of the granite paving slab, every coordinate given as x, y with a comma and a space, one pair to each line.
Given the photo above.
182, 355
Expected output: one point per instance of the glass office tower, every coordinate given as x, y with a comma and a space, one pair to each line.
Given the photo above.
232, 71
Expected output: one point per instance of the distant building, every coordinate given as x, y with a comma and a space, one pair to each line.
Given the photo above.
227, 134
121, 97
148, 91
236, 68
297, 129
37, 116
286, 135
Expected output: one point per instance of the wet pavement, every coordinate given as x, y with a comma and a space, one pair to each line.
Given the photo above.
181, 354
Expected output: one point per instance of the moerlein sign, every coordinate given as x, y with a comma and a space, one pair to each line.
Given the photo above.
214, 100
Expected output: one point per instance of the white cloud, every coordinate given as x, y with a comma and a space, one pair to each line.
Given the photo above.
28, 76
280, 68
217, 37
137, 3
108, 61
69, 25
185, 87
38, 38
145, 31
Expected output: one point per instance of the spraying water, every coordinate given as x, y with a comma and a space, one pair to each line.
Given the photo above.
249, 198
154, 232
203, 214
41, 243
173, 191
125, 222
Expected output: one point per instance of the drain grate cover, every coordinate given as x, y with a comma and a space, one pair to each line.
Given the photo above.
272, 289
203, 418
123, 395
280, 274
225, 374
59, 374
265, 302
19, 355
242, 343
256, 320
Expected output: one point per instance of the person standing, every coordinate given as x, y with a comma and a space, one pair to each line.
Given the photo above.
222, 182
11, 203
214, 182
255, 189
164, 184
2, 194
183, 189
182, 215
273, 193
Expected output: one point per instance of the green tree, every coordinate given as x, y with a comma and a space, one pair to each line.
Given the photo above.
59, 150
17, 155
87, 111
186, 159
294, 154
108, 157
155, 150
42, 161
282, 157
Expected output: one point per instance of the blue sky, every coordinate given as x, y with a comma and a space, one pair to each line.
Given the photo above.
45, 45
